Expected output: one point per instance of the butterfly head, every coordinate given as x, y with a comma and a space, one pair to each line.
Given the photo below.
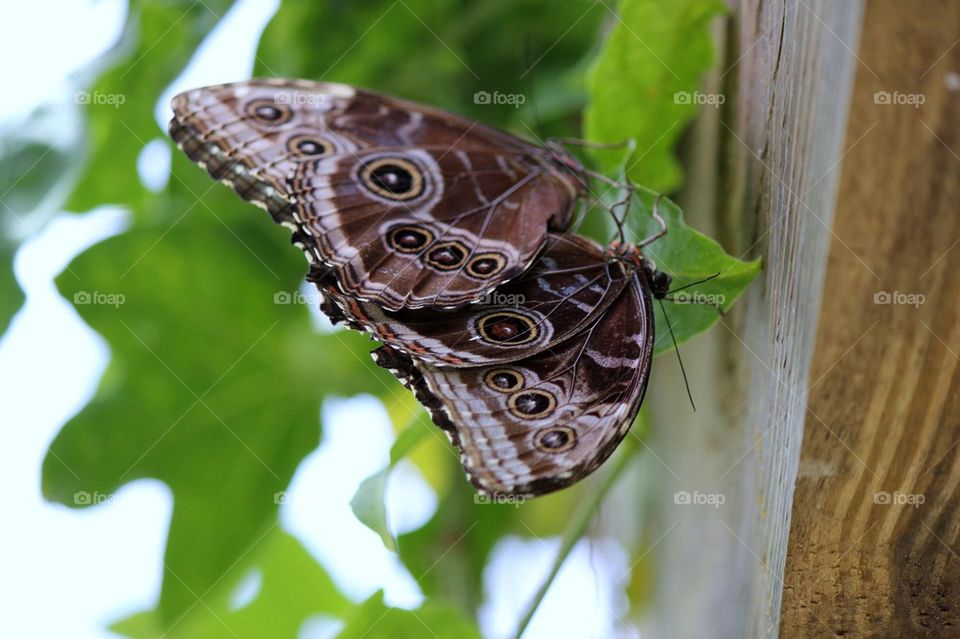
633, 258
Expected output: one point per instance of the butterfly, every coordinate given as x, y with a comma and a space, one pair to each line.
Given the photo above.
537, 387
443, 239
409, 206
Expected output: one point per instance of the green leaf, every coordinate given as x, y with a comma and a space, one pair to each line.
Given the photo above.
369, 504
447, 50
650, 65
374, 620
448, 554
33, 173
159, 38
688, 256
293, 588
213, 387
33, 178
11, 297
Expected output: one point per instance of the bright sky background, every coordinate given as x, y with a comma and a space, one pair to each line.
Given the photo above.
68, 573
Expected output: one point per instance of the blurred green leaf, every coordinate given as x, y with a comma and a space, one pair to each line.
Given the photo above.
213, 387
443, 52
11, 297
35, 163
688, 256
448, 554
30, 172
643, 84
369, 503
369, 506
159, 39
374, 620
293, 588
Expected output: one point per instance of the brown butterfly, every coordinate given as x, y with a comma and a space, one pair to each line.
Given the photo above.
538, 386
407, 214
409, 206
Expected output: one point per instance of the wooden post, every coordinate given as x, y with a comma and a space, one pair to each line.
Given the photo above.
874, 536
787, 77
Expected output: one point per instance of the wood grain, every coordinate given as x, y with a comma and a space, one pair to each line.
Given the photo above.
884, 407
788, 77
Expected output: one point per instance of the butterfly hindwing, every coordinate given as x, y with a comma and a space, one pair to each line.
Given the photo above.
538, 424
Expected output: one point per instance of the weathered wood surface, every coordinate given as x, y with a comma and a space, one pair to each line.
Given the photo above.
884, 410
787, 76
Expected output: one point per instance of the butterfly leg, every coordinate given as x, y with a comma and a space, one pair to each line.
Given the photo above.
623, 203
663, 225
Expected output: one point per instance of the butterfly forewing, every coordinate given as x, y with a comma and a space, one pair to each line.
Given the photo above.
409, 206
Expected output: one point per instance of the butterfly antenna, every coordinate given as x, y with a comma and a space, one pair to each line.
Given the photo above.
669, 295
686, 382
686, 286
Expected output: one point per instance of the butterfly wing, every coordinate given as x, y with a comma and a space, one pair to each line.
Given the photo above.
541, 423
409, 206
559, 296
